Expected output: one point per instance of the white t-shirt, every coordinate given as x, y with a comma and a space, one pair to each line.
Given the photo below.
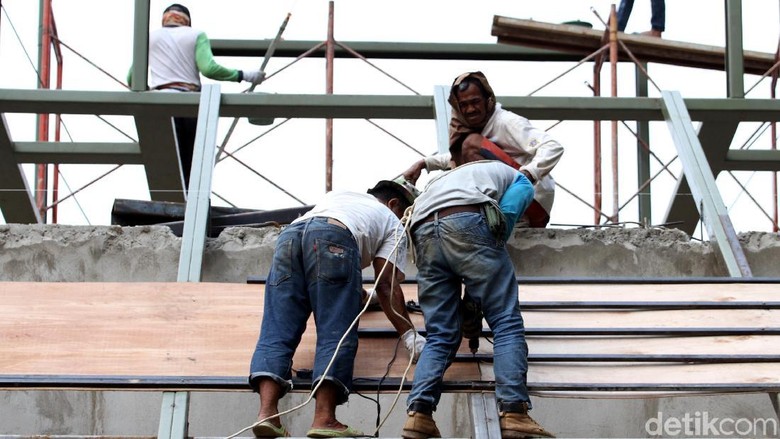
374, 226
172, 56
471, 183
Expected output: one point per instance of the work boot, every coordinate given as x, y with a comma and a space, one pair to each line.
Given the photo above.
517, 424
419, 422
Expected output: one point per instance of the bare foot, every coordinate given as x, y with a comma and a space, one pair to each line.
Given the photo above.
652, 33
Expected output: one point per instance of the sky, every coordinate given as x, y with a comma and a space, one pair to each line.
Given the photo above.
292, 155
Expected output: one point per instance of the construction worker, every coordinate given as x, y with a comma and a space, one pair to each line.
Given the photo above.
317, 268
459, 226
657, 19
178, 54
533, 151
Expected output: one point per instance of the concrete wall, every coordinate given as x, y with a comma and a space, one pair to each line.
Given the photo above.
84, 253
151, 253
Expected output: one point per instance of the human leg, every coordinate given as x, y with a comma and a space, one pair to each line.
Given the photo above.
439, 297
334, 283
490, 280
658, 17
186, 127
286, 310
270, 392
623, 13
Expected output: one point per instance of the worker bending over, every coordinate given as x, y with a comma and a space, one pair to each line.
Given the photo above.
316, 269
459, 225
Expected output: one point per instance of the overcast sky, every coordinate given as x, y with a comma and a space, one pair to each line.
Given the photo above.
293, 155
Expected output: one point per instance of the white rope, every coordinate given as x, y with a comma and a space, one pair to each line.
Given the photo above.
404, 223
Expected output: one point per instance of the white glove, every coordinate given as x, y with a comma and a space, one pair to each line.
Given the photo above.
414, 343
254, 76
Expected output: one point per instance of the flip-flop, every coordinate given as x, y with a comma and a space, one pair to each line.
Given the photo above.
267, 429
332, 432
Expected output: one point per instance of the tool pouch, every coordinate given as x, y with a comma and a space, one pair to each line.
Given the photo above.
495, 220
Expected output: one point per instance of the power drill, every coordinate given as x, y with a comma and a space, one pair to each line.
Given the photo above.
471, 314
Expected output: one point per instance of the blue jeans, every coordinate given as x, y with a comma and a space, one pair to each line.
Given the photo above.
316, 268
657, 19
460, 248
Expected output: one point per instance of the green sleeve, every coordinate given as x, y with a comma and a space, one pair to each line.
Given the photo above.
206, 64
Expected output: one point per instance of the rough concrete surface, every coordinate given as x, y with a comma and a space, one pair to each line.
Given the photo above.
151, 253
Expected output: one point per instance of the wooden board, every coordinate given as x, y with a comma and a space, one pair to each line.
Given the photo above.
210, 329
582, 40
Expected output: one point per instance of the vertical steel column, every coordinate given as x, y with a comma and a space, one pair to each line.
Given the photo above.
613, 59
734, 62
140, 45
330, 47
441, 113
174, 415
642, 154
484, 416
44, 66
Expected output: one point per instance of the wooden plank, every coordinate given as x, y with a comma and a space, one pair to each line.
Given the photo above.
210, 329
582, 40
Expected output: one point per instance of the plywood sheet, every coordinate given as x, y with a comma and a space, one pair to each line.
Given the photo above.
210, 329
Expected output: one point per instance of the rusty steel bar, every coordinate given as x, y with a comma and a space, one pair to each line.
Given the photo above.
613, 59
330, 51
597, 143
57, 118
44, 61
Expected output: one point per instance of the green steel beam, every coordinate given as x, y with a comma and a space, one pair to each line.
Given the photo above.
394, 50
443, 111
77, 152
715, 137
174, 415
16, 201
644, 200
703, 188
371, 106
140, 45
484, 416
734, 58
196, 214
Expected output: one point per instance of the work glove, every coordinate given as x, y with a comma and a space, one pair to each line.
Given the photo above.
253, 76
414, 343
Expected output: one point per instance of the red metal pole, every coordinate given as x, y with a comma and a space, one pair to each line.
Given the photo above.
330, 46
613, 58
57, 129
41, 170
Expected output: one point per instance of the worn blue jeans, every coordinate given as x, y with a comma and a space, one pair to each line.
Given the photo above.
657, 19
456, 249
316, 268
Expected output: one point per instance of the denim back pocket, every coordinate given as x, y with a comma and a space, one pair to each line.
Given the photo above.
335, 262
281, 268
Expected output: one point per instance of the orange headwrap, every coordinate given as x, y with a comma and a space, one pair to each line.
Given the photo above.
175, 18
458, 124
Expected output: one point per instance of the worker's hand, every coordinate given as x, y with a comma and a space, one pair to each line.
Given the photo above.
414, 171
414, 343
254, 76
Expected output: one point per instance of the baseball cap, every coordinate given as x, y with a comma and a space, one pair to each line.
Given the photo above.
400, 184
